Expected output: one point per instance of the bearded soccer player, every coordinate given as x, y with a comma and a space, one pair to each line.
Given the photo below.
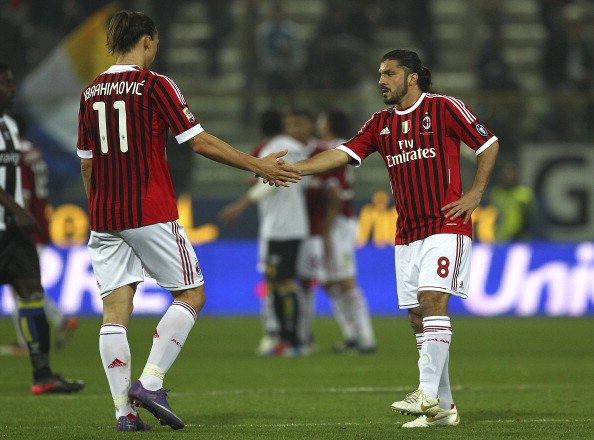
419, 139
124, 118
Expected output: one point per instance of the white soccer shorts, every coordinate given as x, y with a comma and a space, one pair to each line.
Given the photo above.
439, 263
161, 250
339, 262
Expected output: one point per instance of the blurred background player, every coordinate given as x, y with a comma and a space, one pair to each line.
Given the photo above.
333, 242
34, 174
270, 124
515, 204
19, 262
124, 118
282, 228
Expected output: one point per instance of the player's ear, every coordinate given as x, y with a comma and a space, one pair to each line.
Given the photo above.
147, 42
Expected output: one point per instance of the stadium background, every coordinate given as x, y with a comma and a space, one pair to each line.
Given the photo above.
56, 47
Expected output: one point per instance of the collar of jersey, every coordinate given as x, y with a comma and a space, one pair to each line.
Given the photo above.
412, 108
117, 68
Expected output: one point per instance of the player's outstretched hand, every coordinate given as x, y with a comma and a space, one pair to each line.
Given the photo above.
232, 211
463, 207
275, 171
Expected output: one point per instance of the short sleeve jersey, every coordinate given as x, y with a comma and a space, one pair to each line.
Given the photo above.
124, 118
420, 147
35, 188
283, 212
10, 168
341, 179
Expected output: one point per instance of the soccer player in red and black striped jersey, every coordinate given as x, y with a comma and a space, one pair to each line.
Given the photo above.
419, 140
124, 118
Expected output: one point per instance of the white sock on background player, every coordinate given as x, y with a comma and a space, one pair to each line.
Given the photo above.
269, 320
434, 352
306, 298
168, 339
342, 311
115, 356
361, 317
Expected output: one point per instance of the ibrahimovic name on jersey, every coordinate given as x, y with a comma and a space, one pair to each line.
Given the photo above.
124, 118
421, 149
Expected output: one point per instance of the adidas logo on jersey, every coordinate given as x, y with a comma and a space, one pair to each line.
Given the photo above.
117, 363
386, 130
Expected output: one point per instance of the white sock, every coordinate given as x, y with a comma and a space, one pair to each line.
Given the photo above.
434, 352
419, 337
169, 337
15, 321
53, 312
361, 317
269, 320
342, 313
446, 401
115, 356
306, 298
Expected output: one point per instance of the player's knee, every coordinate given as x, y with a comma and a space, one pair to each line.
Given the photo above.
195, 298
28, 289
433, 303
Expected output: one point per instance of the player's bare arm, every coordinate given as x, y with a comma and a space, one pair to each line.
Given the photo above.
325, 161
270, 168
86, 169
24, 219
465, 206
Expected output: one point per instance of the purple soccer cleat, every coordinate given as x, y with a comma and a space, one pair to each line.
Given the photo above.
132, 422
156, 403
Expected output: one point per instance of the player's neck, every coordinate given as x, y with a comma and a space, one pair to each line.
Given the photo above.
409, 99
131, 58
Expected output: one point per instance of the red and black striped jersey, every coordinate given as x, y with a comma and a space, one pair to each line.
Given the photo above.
319, 185
35, 178
123, 123
421, 149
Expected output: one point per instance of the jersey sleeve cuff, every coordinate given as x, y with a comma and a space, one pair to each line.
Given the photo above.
189, 134
486, 145
351, 154
84, 154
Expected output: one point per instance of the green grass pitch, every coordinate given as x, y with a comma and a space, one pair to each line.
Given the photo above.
512, 378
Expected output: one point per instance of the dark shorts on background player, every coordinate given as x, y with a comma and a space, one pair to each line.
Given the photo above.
281, 259
18, 256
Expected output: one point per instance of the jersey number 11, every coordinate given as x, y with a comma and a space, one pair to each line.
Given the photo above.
120, 106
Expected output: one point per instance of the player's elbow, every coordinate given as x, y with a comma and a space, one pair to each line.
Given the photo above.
200, 143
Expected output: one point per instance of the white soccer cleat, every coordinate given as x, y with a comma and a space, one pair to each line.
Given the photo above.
267, 344
445, 417
417, 403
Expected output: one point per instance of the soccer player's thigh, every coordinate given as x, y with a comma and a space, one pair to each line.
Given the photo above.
341, 262
406, 258
114, 262
19, 263
166, 254
445, 264
310, 259
281, 260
